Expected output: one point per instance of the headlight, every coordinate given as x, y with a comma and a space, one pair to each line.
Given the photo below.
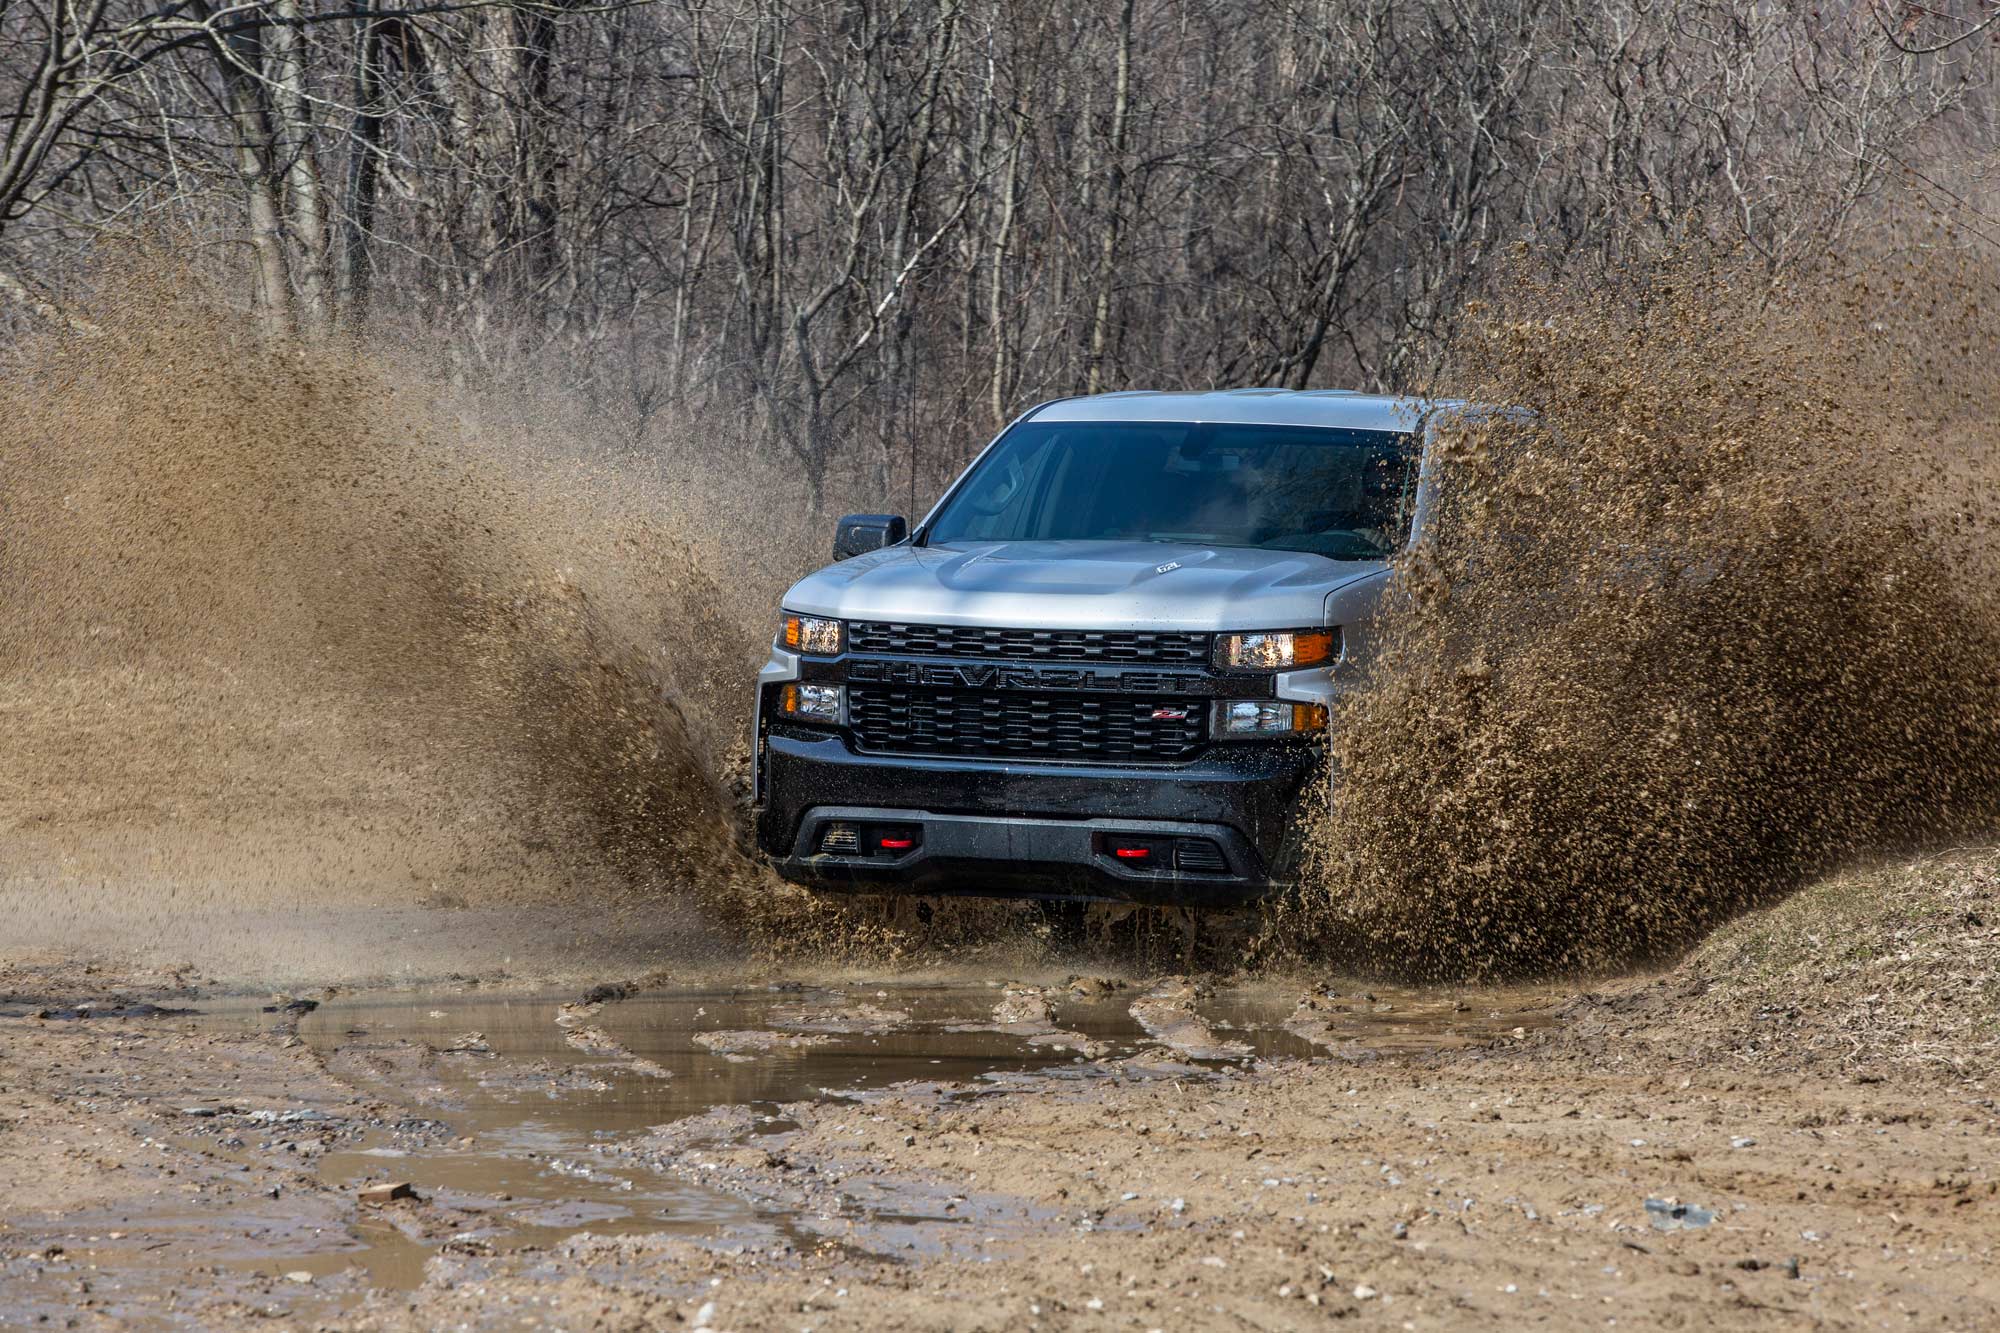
1276, 650
811, 634
811, 703
1267, 717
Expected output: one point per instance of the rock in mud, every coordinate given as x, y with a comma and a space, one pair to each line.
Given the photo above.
1314, 1020
1671, 1215
388, 1192
301, 1116
663, 1146
1023, 1006
543, 1076
410, 1068
593, 1040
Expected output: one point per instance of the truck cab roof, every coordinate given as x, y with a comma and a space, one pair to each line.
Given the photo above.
1340, 408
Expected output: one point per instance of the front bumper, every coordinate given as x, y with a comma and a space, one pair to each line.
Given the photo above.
1032, 829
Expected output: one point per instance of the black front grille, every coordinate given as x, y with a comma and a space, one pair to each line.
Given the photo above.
1027, 645
1028, 726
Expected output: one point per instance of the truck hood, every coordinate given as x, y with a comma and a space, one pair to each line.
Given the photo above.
1081, 585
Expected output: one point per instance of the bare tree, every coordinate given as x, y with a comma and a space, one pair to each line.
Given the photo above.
866, 224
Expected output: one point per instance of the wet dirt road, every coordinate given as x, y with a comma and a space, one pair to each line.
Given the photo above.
525, 1119
1090, 1153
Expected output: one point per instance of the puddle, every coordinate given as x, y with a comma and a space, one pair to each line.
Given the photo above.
516, 1130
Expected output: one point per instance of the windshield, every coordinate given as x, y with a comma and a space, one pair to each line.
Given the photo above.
1342, 494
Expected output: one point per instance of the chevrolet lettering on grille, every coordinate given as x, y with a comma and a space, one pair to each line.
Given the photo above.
998, 676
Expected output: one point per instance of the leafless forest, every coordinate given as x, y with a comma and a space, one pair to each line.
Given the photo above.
868, 230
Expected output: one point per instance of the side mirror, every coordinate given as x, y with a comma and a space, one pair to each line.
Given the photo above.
858, 534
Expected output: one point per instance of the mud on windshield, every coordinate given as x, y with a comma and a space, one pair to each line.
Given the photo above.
1342, 494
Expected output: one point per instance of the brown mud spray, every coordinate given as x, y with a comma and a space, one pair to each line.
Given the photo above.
285, 624
1718, 618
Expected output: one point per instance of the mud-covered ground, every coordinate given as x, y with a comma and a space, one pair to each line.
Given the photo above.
1793, 1128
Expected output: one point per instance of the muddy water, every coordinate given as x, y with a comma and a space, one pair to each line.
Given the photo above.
512, 1115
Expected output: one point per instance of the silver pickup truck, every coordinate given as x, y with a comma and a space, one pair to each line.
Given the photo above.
1102, 666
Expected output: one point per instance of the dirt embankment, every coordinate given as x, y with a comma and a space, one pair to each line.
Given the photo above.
1889, 975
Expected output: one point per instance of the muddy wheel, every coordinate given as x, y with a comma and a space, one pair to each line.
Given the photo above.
1066, 919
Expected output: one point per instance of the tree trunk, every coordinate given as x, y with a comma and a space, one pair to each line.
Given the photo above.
293, 142
1114, 204
537, 216
1002, 388
241, 56
364, 162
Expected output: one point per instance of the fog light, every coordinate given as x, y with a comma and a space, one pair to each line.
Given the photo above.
1267, 717
811, 703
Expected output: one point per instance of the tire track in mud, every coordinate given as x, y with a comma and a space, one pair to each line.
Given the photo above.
1026, 1014
1170, 1013
574, 1020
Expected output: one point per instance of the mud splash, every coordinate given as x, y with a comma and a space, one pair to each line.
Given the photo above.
289, 628
287, 625
1719, 619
